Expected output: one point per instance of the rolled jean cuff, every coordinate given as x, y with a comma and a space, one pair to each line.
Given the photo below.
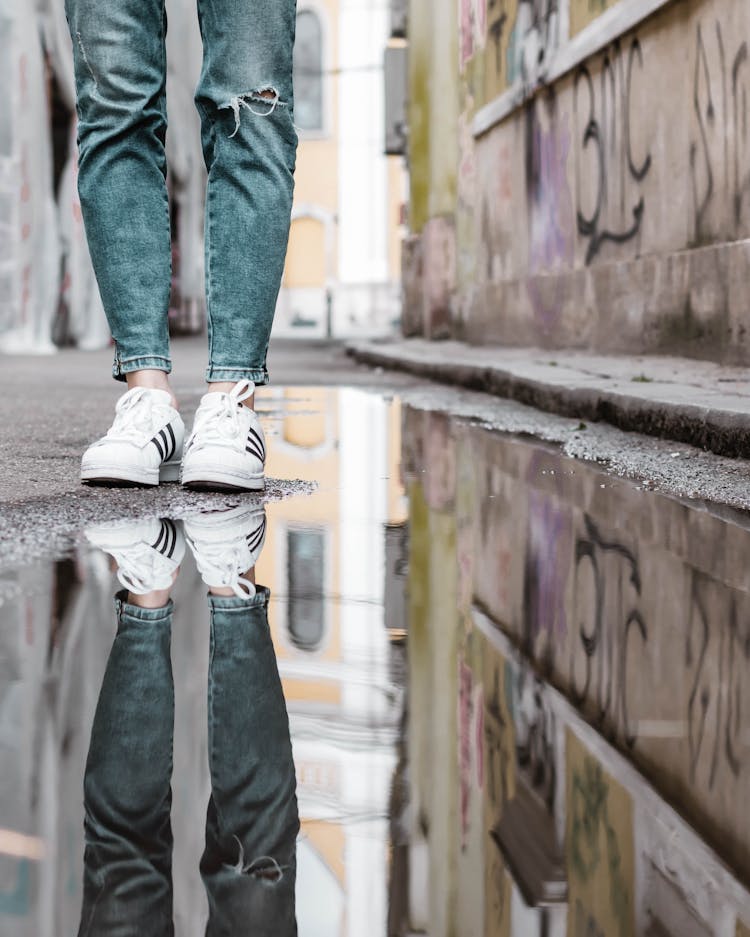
233, 603
215, 373
123, 366
127, 612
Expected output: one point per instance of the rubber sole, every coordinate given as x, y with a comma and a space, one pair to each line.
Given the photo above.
115, 476
205, 485
220, 479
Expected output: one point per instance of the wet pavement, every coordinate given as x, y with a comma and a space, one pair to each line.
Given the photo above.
516, 686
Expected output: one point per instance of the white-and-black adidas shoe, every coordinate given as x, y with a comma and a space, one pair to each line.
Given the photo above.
143, 445
147, 553
226, 450
226, 544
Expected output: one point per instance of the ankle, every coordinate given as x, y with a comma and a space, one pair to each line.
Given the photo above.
153, 380
226, 592
157, 599
224, 387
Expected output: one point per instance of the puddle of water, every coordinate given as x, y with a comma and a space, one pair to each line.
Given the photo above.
62, 676
564, 750
579, 655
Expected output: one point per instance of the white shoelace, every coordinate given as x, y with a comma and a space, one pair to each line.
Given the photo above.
133, 416
140, 569
219, 565
217, 422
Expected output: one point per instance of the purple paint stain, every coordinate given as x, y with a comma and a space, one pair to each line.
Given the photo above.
547, 555
551, 216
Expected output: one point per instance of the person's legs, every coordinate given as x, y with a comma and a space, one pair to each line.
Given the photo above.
127, 796
120, 71
245, 100
244, 97
249, 864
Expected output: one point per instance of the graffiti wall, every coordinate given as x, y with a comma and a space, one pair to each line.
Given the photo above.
626, 202
602, 195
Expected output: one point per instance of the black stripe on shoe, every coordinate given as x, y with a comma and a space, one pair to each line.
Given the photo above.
172, 538
172, 439
165, 440
158, 543
157, 441
255, 538
255, 445
167, 539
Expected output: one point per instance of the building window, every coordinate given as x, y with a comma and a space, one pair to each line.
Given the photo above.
308, 72
305, 587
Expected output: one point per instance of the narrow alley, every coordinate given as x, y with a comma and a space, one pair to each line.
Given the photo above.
515, 679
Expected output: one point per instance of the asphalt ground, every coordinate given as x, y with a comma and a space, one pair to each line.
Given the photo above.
52, 407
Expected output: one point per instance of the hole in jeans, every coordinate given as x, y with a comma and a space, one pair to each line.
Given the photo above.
265, 867
261, 102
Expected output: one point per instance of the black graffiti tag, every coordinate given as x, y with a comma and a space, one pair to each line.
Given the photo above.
608, 133
605, 636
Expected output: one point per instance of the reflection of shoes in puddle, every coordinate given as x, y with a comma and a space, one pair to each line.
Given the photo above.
147, 553
142, 447
227, 544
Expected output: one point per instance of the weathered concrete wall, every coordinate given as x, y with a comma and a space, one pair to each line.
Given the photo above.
29, 244
433, 159
603, 195
543, 635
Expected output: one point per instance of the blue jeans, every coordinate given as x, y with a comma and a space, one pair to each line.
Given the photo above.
249, 862
245, 101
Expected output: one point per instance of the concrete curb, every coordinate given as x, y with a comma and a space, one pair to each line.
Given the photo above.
725, 431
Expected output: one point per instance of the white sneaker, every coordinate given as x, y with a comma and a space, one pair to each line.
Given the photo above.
227, 449
227, 544
144, 444
147, 553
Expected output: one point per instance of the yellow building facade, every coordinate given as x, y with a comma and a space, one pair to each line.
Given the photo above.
343, 264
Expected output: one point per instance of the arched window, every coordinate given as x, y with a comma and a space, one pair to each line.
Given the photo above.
308, 72
306, 587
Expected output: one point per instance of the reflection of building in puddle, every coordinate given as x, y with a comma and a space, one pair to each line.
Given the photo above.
324, 562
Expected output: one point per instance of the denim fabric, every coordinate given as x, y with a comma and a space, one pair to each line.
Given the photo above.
249, 145
249, 863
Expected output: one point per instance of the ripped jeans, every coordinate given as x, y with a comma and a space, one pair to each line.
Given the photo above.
245, 101
249, 862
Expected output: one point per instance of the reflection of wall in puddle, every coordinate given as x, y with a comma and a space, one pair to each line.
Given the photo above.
324, 563
56, 629
53, 643
565, 569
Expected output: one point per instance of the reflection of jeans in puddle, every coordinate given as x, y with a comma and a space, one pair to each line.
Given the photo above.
249, 864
